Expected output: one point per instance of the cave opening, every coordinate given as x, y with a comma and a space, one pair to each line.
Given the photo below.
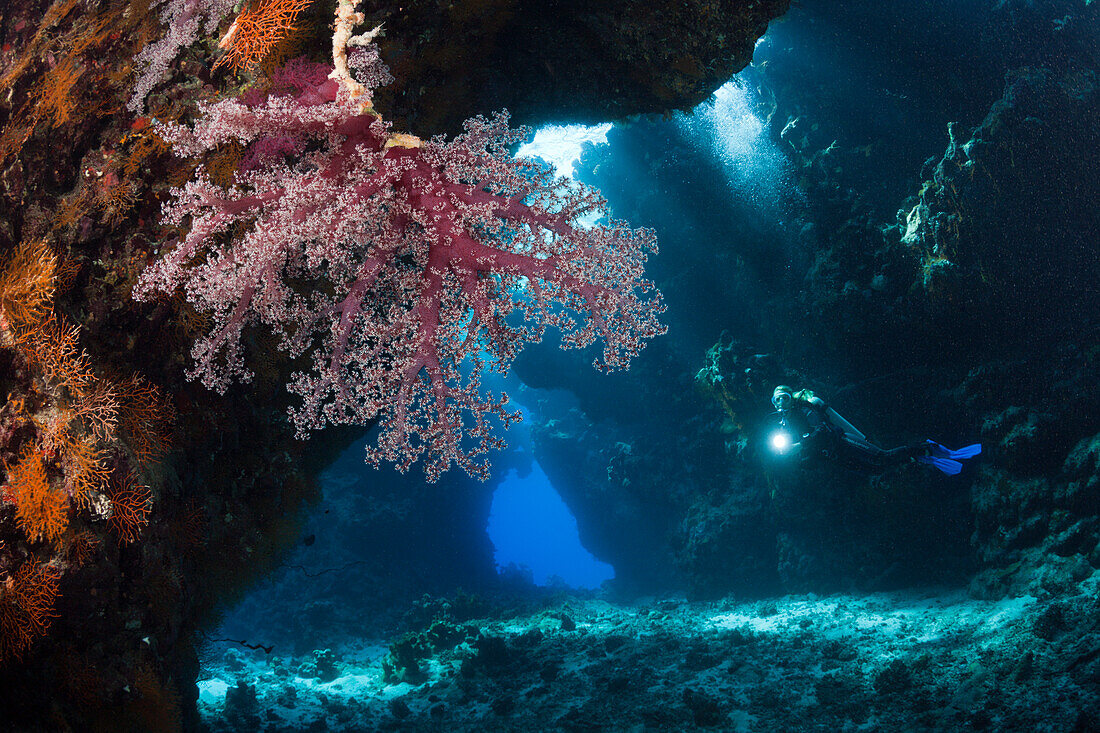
532, 530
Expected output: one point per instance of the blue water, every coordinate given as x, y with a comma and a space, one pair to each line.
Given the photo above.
530, 526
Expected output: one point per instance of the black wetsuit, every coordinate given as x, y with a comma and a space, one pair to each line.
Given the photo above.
821, 436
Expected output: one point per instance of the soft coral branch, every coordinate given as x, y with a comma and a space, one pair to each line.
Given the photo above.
400, 266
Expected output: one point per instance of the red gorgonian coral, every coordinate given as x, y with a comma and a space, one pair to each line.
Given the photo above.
402, 267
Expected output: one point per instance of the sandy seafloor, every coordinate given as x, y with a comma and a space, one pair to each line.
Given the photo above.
914, 660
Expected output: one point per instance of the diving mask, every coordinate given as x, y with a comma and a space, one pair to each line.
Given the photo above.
781, 398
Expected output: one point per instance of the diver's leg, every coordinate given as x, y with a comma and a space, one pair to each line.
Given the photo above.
904, 453
863, 453
868, 454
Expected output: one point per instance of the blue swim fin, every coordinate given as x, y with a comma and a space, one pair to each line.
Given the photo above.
948, 460
939, 451
947, 465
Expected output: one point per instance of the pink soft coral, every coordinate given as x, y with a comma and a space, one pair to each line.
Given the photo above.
400, 267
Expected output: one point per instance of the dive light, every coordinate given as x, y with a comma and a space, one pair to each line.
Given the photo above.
781, 441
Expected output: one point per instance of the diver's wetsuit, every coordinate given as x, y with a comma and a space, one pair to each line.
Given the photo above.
824, 434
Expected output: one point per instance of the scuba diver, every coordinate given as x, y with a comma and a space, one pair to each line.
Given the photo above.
811, 429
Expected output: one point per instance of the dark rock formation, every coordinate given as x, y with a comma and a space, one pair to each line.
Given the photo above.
563, 60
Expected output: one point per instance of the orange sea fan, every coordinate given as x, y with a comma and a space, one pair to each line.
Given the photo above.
222, 167
144, 417
69, 211
67, 270
143, 146
81, 548
257, 30
116, 201
27, 284
26, 607
54, 429
96, 406
55, 92
189, 527
54, 348
129, 508
41, 511
23, 122
86, 469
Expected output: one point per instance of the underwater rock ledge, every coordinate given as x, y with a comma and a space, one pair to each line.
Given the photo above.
561, 61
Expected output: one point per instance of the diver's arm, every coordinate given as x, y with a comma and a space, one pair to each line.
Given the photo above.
817, 404
810, 400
